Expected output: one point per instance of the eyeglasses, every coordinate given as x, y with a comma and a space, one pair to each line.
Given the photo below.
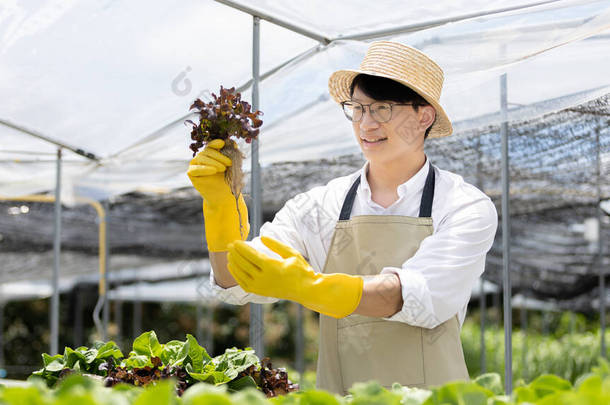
380, 111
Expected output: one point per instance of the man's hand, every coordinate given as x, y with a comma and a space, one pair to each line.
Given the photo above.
292, 278
220, 210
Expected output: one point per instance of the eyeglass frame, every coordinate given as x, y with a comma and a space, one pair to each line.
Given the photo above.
369, 106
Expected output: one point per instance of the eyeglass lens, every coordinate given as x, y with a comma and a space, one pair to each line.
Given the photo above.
381, 112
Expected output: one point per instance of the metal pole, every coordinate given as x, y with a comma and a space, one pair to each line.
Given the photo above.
524, 348
137, 308
497, 307
386, 32
209, 331
199, 320
118, 320
78, 317
256, 310
137, 318
545, 322
600, 256
50, 140
300, 342
482, 304
369, 34
508, 350
1, 336
482, 299
106, 313
258, 14
523, 319
56, 252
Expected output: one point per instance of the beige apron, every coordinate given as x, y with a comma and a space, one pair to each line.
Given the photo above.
360, 348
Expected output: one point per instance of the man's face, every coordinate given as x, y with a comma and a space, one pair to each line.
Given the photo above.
402, 136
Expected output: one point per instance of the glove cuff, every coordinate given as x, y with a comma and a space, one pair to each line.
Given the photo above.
337, 295
222, 224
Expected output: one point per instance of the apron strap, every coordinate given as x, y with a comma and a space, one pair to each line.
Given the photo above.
348, 203
425, 207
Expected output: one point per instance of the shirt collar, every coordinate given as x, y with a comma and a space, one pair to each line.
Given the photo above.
413, 185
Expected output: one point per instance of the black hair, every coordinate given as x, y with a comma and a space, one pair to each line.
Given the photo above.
382, 88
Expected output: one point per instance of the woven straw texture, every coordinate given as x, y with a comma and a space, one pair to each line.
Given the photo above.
405, 65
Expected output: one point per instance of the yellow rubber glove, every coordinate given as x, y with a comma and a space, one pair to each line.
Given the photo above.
292, 278
221, 218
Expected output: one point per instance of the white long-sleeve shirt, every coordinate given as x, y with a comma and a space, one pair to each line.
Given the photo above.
436, 282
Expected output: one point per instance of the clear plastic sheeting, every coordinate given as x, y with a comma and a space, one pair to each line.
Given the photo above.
553, 58
548, 64
28, 165
337, 19
116, 80
104, 76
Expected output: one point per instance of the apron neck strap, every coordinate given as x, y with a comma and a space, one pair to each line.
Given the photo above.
425, 207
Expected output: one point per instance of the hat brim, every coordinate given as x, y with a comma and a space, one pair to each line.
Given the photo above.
340, 81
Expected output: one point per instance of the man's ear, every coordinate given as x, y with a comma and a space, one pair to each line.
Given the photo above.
427, 114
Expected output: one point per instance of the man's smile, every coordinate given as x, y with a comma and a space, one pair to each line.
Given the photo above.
373, 140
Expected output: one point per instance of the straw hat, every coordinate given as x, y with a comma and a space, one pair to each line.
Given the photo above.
405, 65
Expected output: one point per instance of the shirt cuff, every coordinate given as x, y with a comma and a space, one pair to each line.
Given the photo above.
417, 308
236, 295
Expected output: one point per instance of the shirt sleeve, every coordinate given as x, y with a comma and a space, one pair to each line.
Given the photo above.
285, 228
437, 280
236, 295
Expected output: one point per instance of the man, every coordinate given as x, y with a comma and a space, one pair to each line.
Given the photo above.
393, 278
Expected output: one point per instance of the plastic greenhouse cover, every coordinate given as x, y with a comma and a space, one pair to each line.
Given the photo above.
340, 18
117, 79
28, 164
